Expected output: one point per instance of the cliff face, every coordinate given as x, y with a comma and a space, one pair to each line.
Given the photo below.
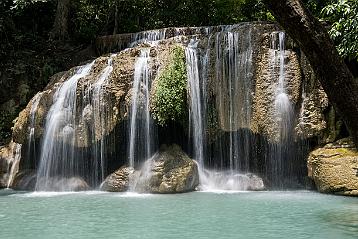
239, 70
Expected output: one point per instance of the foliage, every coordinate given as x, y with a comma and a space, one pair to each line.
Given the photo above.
316, 6
342, 14
255, 10
169, 98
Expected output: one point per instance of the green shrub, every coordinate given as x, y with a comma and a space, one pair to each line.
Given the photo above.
169, 98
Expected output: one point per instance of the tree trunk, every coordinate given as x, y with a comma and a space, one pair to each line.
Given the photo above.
335, 77
60, 26
116, 20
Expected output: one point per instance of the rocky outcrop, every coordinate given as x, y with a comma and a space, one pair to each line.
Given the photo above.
116, 94
22, 122
312, 120
168, 171
120, 180
334, 168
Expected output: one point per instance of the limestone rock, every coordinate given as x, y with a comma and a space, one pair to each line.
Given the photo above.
7, 156
169, 171
265, 119
311, 120
119, 181
334, 168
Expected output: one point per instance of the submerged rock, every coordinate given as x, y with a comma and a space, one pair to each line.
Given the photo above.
25, 180
60, 184
169, 171
119, 181
334, 168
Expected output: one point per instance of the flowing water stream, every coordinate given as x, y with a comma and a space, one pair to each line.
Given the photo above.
141, 131
57, 152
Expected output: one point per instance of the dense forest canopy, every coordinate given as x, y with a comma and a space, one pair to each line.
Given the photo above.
51, 33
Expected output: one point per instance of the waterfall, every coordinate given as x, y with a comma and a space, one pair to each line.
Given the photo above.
233, 76
141, 133
58, 143
100, 118
147, 36
284, 112
196, 102
15, 160
282, 101
95, 119
221, 71
31, 148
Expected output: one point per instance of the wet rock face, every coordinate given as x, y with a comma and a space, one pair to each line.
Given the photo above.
264, 117
114, 96
22, 122
312, 121
334, 168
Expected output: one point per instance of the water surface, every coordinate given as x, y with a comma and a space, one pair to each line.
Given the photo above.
246, 215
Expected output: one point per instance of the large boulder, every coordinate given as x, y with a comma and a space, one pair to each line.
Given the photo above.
334, 168
169, 171
119, 181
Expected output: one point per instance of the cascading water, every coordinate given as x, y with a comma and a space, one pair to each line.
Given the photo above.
141, 132
14, 164
100, 118
96, 114
147, 36
31, 148
233, 71
57, 153
284, 112
282, 101
196, 102
234, 75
